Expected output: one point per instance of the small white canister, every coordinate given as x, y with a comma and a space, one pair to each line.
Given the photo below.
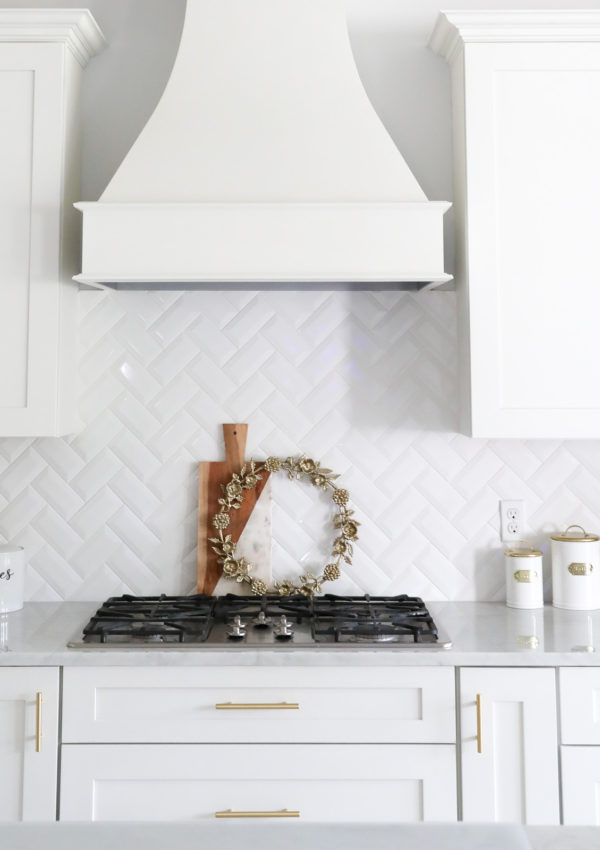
575, 569
524, 579
12, 578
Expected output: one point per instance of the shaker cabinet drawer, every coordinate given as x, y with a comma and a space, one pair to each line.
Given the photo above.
580, 705
314, 782
250, 705
580, 783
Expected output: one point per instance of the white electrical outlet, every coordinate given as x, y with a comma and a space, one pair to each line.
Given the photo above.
512, 520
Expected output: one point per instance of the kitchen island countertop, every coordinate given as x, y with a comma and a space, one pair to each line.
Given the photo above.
482, 634
295, 836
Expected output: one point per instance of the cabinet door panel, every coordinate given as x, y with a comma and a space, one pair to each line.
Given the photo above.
324, 783
580, 705
580, 769
30, 173
515, 776
40, 79
28, 777
354, 705
525, 200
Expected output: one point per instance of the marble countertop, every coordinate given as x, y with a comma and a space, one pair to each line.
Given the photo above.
482, 633
295, 836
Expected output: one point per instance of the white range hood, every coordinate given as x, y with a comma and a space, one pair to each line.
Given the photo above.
264, 162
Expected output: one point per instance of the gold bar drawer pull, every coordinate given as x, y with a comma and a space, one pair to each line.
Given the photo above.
38, 722
256, 705
282, 813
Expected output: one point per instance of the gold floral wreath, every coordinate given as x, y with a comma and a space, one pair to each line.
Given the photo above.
233, 496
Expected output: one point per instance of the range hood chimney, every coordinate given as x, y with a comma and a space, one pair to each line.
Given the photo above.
263, 163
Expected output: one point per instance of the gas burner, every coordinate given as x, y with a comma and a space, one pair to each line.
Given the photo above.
237, 630
284, 629
261, 621
169, 622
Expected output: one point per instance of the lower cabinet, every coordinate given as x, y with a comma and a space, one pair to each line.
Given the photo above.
580, 768
332, 744
28, 743
335, 783
580, 736
348, 744
509, 745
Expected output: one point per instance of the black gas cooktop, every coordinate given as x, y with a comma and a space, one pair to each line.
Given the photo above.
268, 621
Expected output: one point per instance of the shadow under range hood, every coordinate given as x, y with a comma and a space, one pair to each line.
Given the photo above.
263, 164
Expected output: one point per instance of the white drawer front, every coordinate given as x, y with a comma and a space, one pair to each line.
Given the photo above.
580, 705
154, 705
580, 768
323, 783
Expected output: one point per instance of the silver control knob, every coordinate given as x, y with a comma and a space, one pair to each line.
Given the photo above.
283, 630
261, 621
237, 629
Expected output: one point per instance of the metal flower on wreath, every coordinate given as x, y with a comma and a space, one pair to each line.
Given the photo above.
239, 569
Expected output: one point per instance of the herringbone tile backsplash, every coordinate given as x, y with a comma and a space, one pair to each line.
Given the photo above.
365, 382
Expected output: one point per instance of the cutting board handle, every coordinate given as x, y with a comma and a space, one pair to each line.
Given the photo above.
235, 435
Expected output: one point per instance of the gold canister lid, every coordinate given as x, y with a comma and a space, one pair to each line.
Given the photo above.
584, 537
530, 552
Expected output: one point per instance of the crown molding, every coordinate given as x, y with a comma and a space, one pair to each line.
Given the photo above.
75, 28
454, 29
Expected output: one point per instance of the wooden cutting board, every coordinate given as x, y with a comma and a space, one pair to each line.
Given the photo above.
211, 474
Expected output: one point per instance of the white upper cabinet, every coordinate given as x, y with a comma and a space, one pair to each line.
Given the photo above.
42, 56
526, 95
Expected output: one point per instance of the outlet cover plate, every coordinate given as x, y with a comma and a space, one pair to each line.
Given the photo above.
512, 520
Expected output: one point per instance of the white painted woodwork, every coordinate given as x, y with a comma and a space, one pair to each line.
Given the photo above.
580, 725
515, 777
42, 54
264, 160
28, 778
338, 705
525, 88
580, 705
580, 776
333, 783
256, 243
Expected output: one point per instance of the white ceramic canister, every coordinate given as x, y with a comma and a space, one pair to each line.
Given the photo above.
575, 569
12, 578
524, 579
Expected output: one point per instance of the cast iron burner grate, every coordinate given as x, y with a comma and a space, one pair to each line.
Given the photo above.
380, 619
189, 621
166, 619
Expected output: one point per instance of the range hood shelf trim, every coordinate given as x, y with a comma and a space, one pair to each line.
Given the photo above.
263, 242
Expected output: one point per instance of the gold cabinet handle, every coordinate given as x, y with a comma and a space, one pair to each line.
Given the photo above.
478, 702
256, 705
38, 722
282, 813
